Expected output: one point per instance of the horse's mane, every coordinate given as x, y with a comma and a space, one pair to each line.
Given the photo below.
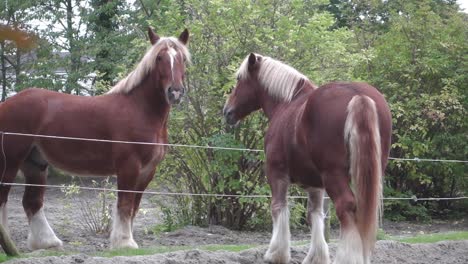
146, 64
280, 80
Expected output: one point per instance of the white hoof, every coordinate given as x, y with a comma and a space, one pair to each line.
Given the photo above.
277, 257
121, 234
317, 257
124, 243
34, 243
41, 235
350, 248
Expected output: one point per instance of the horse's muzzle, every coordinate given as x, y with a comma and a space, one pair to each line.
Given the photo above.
229, 116
174, 95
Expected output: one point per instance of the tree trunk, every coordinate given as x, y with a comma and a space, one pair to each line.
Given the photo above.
72, 80
4, 72
18, 67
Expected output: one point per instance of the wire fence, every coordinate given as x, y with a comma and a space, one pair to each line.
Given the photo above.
251, 196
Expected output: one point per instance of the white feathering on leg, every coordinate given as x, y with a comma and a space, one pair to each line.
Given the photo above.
41, 235
121, 234
278, 251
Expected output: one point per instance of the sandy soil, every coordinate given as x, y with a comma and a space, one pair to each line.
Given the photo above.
63, 216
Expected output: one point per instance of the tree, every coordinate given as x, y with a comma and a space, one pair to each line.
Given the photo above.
419, 65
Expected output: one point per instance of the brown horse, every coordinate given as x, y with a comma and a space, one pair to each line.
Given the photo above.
136, 109
322, 139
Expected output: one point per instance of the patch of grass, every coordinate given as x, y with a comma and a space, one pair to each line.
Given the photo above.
166, 249
140, 251
381, 235
432, 238
4, 257
230, 248
44, 253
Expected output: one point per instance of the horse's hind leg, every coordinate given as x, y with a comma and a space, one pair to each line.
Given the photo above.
13, 151
350, 249
8, 175
40, 235
278, 251
318, 252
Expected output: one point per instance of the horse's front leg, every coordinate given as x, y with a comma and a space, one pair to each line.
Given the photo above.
145, 179
278, 251
318, 252
121, 234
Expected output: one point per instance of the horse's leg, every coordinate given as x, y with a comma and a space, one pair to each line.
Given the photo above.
121, 234
278, 251
318, 252
7, 177
141, 186
13, 150
40, 234
350, 249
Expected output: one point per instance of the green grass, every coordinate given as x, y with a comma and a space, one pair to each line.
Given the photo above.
166, 249
140, 251
45, 253
4, 258
432, 238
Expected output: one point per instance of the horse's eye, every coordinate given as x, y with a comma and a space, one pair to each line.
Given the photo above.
185, 59
238, 77
159, 58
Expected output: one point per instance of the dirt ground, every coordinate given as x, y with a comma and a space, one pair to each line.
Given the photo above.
63, 215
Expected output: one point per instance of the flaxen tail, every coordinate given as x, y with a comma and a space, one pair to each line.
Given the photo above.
365, 167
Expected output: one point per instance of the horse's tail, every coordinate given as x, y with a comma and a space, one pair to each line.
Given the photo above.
362, 136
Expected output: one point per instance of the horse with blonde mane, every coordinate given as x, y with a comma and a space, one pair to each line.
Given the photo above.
333, 138
136, 109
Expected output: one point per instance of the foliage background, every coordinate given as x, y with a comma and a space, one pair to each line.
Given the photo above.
415, 52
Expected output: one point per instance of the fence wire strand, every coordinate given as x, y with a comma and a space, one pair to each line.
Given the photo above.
195, 146
216, 195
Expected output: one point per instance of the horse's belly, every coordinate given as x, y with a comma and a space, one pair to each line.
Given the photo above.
82, 160
304, 172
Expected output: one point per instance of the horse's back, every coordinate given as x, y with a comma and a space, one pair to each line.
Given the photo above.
325, 117
23, 112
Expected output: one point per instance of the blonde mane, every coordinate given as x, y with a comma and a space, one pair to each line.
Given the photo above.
146, 64
279, 79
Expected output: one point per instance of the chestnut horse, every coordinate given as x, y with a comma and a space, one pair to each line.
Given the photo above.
136, 109
323, 139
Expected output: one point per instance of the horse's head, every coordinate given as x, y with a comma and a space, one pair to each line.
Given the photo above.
244, 99
170, 64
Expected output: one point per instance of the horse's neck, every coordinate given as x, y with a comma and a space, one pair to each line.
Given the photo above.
271, 105
152, 100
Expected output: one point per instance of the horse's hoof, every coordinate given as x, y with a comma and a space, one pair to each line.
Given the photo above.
316, 260
277, 257
126, 243
44, 243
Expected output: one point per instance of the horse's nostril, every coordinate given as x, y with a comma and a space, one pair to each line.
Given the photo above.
228, 113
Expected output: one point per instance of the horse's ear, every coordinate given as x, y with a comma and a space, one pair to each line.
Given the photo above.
184, 37
152, 36
252, 59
